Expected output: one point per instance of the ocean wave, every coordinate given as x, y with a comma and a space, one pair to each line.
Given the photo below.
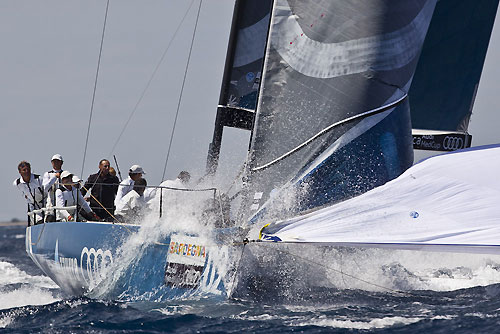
10, 274
18, 288
350, 324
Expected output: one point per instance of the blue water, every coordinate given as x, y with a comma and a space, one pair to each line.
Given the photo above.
30, 303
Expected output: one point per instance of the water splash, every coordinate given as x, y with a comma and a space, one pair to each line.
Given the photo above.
138, 269
18, 288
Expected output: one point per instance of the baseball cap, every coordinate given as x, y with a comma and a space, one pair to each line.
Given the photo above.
57, 157
76, 179
65, 174
136, 169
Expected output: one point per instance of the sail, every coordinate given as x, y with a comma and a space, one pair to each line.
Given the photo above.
332, 115
245, 56
432, 206
243, 71
447, 76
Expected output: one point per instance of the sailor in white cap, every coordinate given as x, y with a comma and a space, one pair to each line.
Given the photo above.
68, 195
131, 207
134, 173
51, 180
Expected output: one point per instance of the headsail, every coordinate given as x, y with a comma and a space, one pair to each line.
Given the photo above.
332, 115
447, 76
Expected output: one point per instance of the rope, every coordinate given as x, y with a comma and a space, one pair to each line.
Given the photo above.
332, 269
95, 87
39, 235
151, 79
182, 90
90, 193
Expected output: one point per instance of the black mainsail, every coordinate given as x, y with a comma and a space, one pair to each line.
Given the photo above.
447, 77
243, 71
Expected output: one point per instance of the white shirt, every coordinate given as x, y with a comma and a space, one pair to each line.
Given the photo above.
65, 197
124, 188
51, 183
169, 196
130, 205
33, 191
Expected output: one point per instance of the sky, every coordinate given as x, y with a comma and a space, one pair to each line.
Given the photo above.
47, 72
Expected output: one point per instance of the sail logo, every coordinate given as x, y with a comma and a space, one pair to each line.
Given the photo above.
453, 143
187, 249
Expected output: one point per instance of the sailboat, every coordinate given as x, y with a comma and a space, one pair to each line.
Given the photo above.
327, 90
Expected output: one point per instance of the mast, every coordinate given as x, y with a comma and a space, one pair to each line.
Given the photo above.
242, 72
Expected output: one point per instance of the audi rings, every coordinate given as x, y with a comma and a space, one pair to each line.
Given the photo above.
453, 143
96, 261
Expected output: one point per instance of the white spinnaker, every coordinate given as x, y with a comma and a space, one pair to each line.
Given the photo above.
448, 202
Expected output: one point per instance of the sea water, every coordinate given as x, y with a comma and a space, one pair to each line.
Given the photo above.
31, 303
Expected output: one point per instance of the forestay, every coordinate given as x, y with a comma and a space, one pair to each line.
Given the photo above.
447, 203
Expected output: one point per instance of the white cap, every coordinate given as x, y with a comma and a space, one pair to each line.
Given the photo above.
136, 169
75, 179
57, 157
65, 174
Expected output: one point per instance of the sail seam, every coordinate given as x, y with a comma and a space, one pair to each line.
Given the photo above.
334, 125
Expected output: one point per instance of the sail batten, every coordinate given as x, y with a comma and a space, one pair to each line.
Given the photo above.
344, 121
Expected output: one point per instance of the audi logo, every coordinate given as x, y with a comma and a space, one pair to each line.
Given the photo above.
96, 262
453, 143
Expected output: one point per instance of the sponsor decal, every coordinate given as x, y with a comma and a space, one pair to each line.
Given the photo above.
187, 249
250, 76
453, 143
69, 264
93, 262
183, 275
186, 260
414, 214
90, 268
441, 142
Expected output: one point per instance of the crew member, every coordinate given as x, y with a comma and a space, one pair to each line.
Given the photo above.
182, 181
104, 187
31, 186
170, 197
134, 173
51, 180
68, 195
132, 205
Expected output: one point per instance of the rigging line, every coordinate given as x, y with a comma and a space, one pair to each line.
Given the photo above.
95, 86
325, 130
182, 90
340, 271
151, 78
